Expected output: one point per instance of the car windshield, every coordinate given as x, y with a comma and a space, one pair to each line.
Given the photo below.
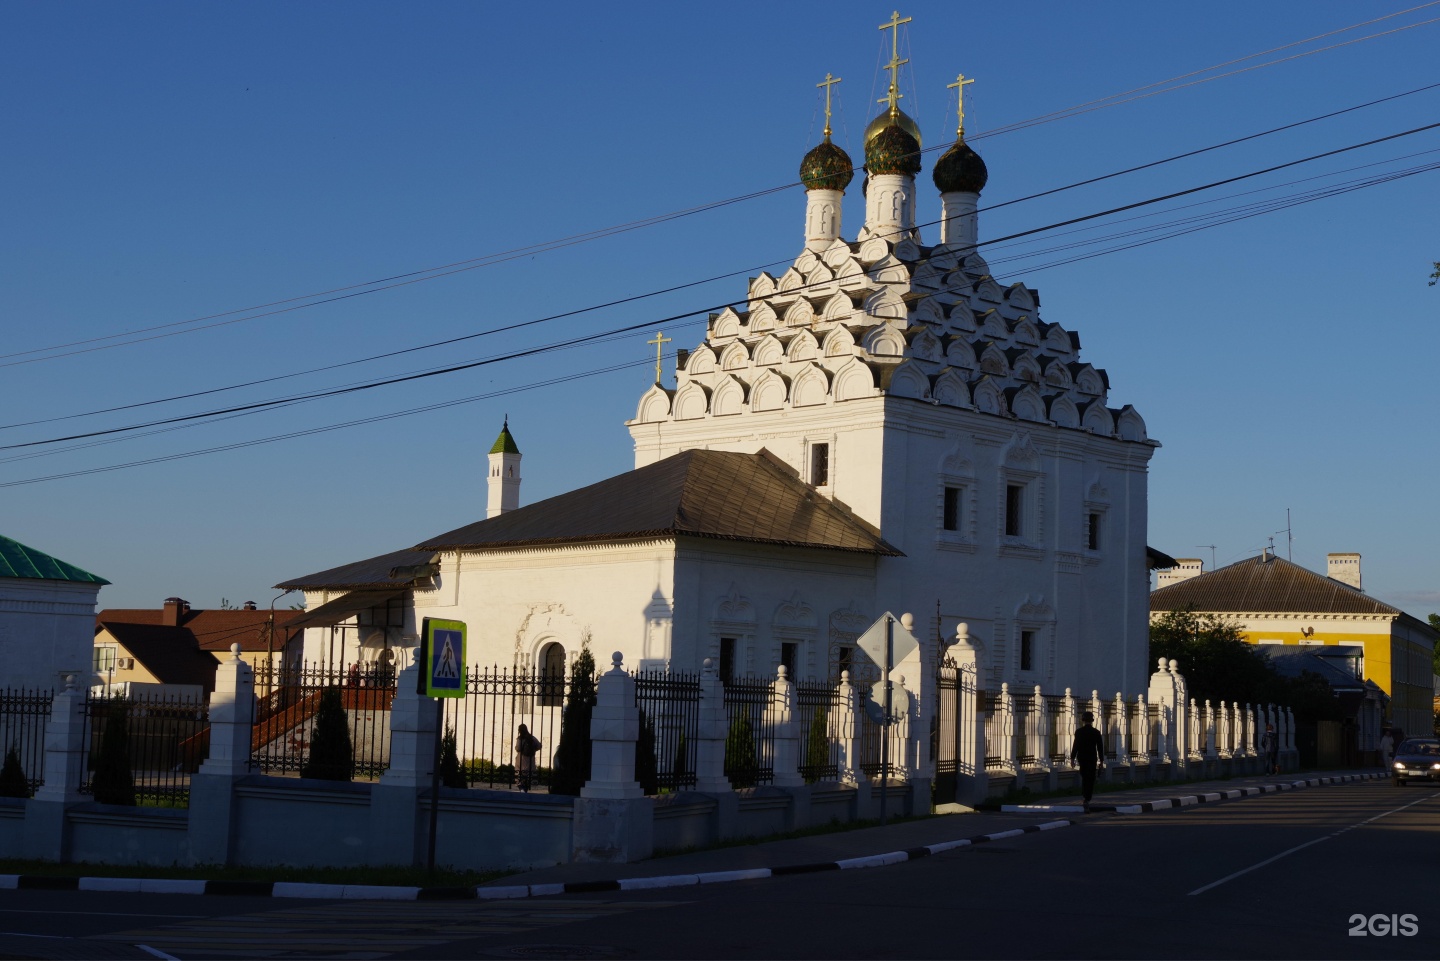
1426, 748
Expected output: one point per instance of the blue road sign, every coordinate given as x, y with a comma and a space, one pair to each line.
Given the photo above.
443, 658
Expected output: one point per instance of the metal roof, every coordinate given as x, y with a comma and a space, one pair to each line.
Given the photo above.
19, 561
1267, 584
393, 570
333, 612
696, 493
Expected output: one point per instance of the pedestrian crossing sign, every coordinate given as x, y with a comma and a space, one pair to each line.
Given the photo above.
442, 658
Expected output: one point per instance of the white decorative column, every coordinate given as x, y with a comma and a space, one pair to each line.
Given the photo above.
1212, 749
212, 788
786, 762
972, 782
822, 218
959, 224
1069, 724
1141, 748
1197, 732
713, 727
1123, 747
847, 741
614, 820
1008, 761
1039, 729
398, 803
1223, 734
46, 834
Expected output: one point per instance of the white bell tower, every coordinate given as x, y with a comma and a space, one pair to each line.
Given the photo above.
504, 473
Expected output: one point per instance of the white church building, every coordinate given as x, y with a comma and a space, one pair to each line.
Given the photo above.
886, 426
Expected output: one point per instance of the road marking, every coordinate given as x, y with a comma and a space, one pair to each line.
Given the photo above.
156, 954
100, 914
1301, 847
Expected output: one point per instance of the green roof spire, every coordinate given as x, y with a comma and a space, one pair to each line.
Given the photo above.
505, 444
19, 561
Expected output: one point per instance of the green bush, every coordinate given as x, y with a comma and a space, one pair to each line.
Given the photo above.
450, 773
113, 782
13, 782
817, 746
572, 754
741, 765
331, 756
682, 760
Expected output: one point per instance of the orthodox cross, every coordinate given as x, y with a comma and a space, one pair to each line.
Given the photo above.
893, 97
660, 341
827, 83
959, 87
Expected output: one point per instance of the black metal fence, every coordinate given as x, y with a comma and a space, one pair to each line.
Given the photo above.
750, 742
24, 712
290, 698
1058, 750
817, 711
486, 723
143, 747
669, 703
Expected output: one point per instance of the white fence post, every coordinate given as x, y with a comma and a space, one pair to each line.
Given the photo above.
847, 729
1212, 748
786, 762
1039, 734
1141, 747
713, 727
1008, 760
1122, 731
1069, 723
613, 821
46, 835
1223, 734
1197, 739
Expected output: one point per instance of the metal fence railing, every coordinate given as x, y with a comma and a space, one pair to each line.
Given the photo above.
290, 699
750, 742
1058, 750
817, 711
142, 748
669, 703
24, 713
486, 723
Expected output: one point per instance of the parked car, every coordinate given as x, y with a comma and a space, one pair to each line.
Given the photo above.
1416, 759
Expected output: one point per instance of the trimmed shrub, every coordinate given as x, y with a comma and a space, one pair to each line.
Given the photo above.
741, 766
113, 782
450, 773
572, 754
331, 756
13, 782
817, 747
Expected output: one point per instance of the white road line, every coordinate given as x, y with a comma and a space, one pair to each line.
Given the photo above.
1301, 847
155, 952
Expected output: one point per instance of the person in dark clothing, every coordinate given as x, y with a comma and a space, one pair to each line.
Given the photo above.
1088, 754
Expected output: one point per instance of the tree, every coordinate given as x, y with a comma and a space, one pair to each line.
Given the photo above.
113, 782
1214, 657
1435, 277
647, 768
1435, 623
740, 763
331, 756
572, 754
13, 782
450, 773
817, 747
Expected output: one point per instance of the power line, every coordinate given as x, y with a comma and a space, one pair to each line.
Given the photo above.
678, 287
434, 273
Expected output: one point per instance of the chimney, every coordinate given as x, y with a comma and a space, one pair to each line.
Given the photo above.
249, 605
174, 608
1344, 568
1184, 569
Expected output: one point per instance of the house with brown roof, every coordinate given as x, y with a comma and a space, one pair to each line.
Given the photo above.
1281, 603
176, 648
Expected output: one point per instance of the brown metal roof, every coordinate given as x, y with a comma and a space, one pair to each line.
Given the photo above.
333, 612
371, 574
696, 493
1266, 584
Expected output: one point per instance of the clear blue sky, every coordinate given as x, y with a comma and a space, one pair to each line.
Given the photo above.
170, 161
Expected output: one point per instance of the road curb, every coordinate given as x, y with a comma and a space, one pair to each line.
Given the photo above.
1189, 800
373, 892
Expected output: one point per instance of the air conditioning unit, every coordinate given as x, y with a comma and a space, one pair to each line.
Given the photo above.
125, 663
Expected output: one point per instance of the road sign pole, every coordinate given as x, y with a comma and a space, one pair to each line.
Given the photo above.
885, 722
435, 787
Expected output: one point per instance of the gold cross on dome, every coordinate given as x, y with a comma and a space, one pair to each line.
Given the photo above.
958, 86
893, 98
660, 341
827, 83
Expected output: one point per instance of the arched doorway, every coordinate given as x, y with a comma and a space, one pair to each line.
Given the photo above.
552, 675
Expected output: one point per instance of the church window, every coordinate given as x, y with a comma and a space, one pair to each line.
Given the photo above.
951, 518
1092, 530
819, 465
846, 660
1027, 650
727, 658
552, 675
1015, 510
787, 657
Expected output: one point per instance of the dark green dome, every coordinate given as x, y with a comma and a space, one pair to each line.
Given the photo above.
827, 167
960, 170
892, 151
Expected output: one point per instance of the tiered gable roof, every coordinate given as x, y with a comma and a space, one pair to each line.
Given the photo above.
1267, 584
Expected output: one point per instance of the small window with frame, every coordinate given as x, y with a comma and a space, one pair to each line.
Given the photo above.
1015, 510
819, 465
1027, 650
950, 513
1093, 530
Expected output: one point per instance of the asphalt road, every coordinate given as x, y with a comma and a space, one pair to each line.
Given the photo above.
1278, 876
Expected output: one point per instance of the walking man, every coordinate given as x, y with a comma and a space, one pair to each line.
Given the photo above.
1088, 754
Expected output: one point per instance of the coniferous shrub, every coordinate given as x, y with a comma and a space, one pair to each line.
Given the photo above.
647, 767
741, 766
817, 747
331, 757
450, 773
13, 782
113, 782
572, 754
682, 760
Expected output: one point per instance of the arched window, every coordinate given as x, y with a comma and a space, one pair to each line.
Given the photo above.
552, 675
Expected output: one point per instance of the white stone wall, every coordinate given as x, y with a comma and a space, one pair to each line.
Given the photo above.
47, 630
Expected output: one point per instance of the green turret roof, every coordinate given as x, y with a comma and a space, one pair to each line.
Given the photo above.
17, 560
504, 444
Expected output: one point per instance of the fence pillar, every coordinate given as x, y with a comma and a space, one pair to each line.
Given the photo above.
212, 788
46, 836
1141, 747
614, 820
1122, 736
1008, 760
1039, 722
1212, 749
1069, 723
396, 811
1197, 732
787, 732
972, 782
713, 729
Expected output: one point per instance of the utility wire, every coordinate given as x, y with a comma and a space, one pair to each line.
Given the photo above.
678, 287
433, 273
544, 348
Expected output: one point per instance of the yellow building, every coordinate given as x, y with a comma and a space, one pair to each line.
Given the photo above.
1278, 602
